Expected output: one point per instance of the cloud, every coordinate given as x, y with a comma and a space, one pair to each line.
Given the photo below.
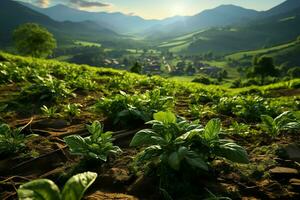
88, 4
42, 3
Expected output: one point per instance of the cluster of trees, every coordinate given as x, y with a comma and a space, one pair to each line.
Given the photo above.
264, 71
263, 66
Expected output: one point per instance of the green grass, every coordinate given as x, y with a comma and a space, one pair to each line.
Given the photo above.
232, 72
87, 44
182, 78
240, 55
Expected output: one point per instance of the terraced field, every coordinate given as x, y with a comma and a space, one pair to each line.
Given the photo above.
145, 137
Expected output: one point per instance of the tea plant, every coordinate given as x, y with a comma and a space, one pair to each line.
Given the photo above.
83, 82
239, 128
127, 108
47, 88
247, 108
49, 112
226, 105
250, 108
172, 142
11, 73
97, 146
287, 121
12, 140
72, 110
45, 189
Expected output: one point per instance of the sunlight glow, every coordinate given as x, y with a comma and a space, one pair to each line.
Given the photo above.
179, 9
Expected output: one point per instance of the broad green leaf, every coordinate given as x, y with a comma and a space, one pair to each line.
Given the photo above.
174, 160
285, 117
142, 137
212, 129
77, 144
41, 189
182, 152
165, 117
232, 152
268, 121
77, 185
149, 152
189, 134
95, 128
196, 160
269, 124
291, 126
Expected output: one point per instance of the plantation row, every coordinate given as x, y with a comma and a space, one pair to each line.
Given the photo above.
179, 124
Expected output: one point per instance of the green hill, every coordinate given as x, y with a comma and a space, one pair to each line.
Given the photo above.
13, 14
286, 53
268, 31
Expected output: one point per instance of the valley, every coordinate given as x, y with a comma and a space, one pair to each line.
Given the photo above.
99, 101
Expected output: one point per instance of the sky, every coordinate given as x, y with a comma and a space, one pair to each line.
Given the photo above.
156, 9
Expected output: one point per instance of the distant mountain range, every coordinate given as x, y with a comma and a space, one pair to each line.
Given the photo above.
265, 30
161, 29
12, 14
127, 24
248, 28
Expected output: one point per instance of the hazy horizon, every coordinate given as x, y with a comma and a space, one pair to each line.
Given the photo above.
154, 9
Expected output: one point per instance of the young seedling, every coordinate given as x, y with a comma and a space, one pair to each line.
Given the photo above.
49, 112
97, 146
284, 122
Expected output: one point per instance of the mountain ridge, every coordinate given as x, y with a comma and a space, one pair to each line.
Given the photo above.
63, 31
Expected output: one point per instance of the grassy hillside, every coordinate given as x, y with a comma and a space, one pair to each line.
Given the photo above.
268, 31
51, 103
285, 53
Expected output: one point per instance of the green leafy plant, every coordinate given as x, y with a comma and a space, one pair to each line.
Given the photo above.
124, 108
97, 146
45, 189
287, 121
2, 108
173, 142
248, 108
72, 110
239, 128
49, 112
47, 88
81, 81
12, 140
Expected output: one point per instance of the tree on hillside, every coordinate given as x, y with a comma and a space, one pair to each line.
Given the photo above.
263, 67
298, 38
33, 40
137, 68
294, 72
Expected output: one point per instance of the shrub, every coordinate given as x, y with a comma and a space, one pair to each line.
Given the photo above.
202, 79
